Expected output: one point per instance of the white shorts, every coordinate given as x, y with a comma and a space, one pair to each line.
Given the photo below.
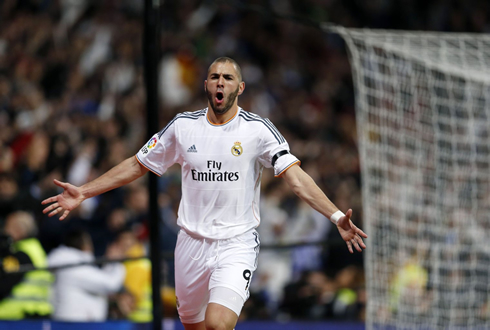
202, 265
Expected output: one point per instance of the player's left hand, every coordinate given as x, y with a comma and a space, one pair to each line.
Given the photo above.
350, 233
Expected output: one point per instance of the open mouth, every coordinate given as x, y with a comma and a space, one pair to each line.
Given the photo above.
219, 97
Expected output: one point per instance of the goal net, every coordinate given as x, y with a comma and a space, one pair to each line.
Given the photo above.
423, 116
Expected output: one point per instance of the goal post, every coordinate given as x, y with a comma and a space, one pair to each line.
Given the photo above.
423, 120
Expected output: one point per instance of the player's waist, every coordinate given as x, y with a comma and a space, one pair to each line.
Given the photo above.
185, 231
208, 232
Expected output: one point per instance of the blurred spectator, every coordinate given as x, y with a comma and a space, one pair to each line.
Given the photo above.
14, 198
169, 300
9, 194
269, 281
6, 159
311, 297
138, 277
81, 293
169, 204
10, 262
178, 77
409, 286
308, 226
256, 307
317, 296
300, 225
30, 297
345, 305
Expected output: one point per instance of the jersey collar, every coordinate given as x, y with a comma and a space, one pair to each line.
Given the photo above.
226, 122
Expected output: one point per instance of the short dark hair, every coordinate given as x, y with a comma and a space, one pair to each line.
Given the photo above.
224, 59
76, 238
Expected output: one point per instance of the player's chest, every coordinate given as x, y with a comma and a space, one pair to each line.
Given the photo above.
205, 149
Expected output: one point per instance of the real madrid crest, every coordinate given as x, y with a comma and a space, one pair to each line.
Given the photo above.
237, 149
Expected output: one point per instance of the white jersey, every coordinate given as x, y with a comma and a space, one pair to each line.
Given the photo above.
221, 168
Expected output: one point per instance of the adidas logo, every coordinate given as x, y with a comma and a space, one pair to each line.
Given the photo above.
192, 149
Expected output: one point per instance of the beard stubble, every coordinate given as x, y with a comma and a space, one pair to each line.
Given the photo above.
227, 105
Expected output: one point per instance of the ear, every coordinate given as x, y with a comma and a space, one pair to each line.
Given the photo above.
205, 84
241, 88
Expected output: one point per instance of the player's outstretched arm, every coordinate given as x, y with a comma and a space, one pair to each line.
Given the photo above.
72, 196
304, 186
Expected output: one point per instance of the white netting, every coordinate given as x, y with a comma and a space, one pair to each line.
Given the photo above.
423, 115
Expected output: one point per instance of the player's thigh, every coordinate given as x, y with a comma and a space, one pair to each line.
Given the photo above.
220, 317
237, 263
191, 279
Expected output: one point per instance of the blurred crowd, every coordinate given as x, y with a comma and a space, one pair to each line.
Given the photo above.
72, 105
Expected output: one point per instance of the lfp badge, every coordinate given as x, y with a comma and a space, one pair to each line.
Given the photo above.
152, 143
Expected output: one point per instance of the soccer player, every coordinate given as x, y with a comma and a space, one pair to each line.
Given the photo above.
222, 151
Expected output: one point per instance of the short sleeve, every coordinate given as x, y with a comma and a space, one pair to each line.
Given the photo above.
160, 152
275, 150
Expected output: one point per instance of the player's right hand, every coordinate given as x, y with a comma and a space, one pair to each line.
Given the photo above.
63, 203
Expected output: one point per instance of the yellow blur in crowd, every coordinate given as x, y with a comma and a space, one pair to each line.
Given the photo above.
138, 283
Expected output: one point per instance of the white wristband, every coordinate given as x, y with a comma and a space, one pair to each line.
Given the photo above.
336, 216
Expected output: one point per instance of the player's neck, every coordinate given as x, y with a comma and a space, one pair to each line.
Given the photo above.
219, 119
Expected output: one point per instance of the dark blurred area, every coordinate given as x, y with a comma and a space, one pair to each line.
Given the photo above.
72, 105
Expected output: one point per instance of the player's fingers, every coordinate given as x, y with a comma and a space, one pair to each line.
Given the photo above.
49, 200
65, 214
51, 207
357, 230
360, 242
361, 233
353, 243
356, 245
349, 246
56, 211
60, 184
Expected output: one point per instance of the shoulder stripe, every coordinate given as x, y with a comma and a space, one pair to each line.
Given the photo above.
261, 120
251, 115
274, 128
267, 122
271, 128
193, 113
187, 115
